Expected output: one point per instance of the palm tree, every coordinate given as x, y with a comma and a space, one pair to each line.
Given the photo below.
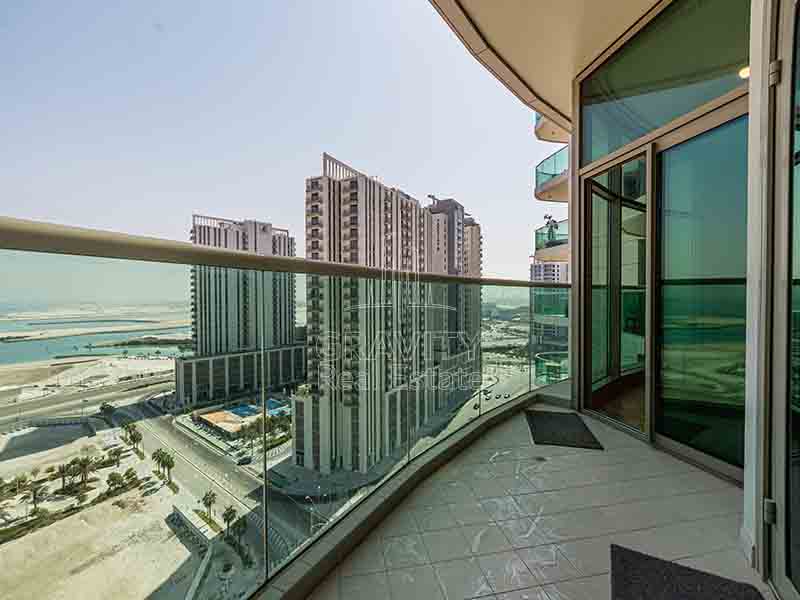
20, 481
229, 516
115, 455
239, 529
132, 434
36, 493
158, 458
169, 464
137, 438
35, 472
209, 499
63, 472
84, 466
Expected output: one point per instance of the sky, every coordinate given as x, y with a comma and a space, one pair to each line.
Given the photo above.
132, 116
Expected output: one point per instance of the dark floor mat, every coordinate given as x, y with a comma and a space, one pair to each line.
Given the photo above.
635, 576
560, 429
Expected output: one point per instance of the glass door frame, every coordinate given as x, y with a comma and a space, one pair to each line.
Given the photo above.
719, 113
776, 437
585, 293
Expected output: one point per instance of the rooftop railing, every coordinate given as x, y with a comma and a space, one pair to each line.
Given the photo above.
245, 434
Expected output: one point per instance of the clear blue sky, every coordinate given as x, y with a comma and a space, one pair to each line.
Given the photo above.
131, 116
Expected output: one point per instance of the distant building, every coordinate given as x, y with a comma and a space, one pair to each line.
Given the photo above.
365, 401
243, 321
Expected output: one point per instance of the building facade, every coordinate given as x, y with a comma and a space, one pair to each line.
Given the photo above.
377, 348
237, 314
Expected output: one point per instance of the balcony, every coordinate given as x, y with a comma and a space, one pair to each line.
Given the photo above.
459, 498
549, 236
547, 131
551, 181
518, 520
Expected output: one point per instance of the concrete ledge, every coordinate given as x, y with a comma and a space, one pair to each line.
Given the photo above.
309, 568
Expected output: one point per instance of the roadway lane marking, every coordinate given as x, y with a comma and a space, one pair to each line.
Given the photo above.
193, 465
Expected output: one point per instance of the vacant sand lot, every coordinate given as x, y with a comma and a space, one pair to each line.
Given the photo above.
102, 552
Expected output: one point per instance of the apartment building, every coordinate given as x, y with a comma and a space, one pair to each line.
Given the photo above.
366, 399
237, 314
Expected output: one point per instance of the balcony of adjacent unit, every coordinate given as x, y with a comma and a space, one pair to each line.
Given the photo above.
547, 130
551, 177
551, 235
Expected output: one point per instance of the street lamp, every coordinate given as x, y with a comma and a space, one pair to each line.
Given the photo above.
311, 514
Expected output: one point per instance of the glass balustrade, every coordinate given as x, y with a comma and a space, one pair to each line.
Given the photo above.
554, 234
552, 166
201, 425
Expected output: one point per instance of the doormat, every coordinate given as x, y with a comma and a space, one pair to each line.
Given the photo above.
635, 576
560, 429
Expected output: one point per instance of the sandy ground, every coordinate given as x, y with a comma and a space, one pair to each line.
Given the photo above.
81, 447
28, 381
106, 551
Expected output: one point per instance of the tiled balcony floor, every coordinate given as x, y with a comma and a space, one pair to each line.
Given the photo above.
509, 520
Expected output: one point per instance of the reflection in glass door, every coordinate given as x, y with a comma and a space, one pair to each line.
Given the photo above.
703, 224
618, 200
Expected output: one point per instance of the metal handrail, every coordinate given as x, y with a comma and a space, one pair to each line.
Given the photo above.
35, 236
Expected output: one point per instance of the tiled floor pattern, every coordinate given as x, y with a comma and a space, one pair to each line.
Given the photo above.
509, 520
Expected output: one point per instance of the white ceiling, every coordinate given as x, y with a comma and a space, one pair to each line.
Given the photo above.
537, 47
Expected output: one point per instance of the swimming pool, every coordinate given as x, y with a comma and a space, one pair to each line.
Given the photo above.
244, 410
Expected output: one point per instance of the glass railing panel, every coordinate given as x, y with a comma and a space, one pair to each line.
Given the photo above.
122, 419
447, 371
551, 235
505, 340
225, 435
352, 416
552, 166
549, 345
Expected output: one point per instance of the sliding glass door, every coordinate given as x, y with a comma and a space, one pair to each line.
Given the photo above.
702, 189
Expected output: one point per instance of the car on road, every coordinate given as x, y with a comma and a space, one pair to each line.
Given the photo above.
244, 460
506, 395
497, 396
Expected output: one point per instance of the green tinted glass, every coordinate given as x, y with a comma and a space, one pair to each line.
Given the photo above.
701, 372
688, 55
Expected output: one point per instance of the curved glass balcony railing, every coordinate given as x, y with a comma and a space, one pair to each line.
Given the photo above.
548, 236
552, 166
137, 404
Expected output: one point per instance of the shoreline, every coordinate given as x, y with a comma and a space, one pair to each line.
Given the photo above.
54, 334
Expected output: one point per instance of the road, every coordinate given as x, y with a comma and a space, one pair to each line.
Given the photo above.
199, 468
72, 402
